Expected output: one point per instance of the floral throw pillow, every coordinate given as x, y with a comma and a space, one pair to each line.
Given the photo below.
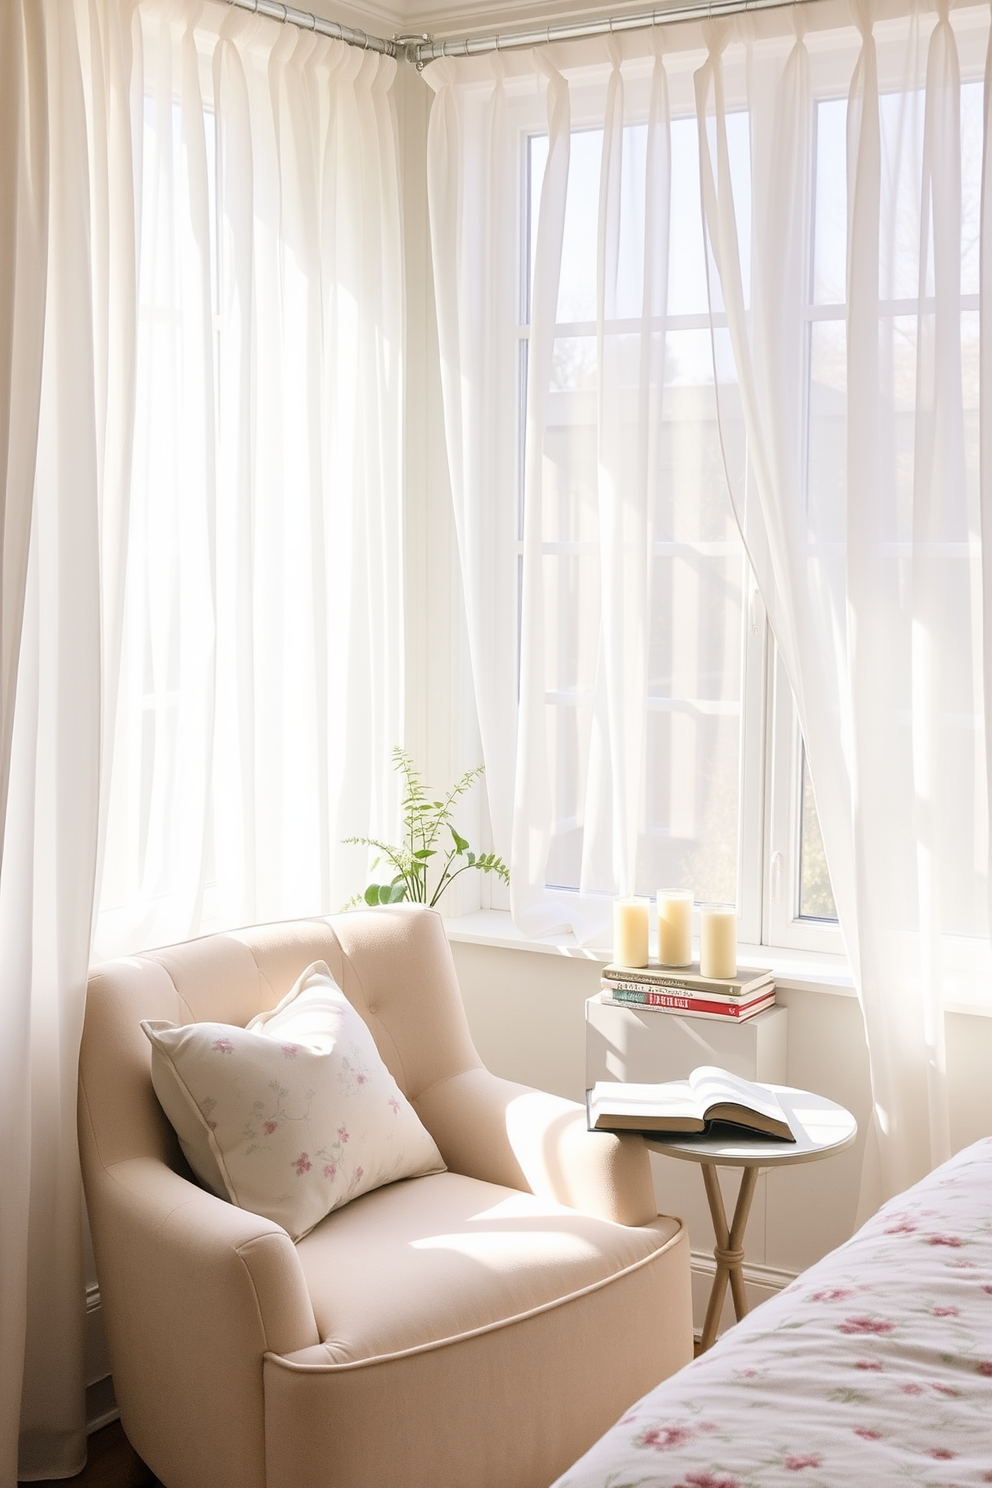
294, 1115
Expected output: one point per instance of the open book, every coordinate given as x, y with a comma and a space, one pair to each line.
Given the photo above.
709, 1097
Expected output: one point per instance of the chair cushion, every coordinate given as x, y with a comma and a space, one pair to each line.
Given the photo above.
434, 1259
294, 1115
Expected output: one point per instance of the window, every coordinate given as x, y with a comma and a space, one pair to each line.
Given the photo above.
697, 575
709, 710
725, 795
636, 723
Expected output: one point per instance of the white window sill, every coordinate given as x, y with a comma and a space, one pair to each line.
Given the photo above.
801, 971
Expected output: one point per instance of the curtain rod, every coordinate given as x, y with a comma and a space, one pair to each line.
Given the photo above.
428, 50
307, 22
421, 49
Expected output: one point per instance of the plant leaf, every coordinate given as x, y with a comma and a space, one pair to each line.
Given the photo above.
422, 821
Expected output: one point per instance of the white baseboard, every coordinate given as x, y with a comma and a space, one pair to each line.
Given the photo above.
760, 1283
101, 1406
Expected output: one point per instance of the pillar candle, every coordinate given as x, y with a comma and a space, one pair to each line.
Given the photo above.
718, 940
630, 932
675, 927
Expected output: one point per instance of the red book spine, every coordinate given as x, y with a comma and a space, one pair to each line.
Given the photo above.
675, 1003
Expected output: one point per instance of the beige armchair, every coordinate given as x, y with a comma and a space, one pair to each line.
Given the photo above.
477, 1328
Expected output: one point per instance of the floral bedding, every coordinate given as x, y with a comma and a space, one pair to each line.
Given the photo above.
873, 1368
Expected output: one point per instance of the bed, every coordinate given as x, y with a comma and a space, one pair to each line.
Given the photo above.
872, 1368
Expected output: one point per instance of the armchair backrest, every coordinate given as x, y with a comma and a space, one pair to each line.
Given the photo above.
393, 964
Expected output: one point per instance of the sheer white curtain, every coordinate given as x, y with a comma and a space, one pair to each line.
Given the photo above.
23, 175
53, 215
200, 634
258, 642
475, 228
855, 351
473, 184
616, 532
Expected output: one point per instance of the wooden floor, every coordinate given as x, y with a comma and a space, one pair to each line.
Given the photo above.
111, 1463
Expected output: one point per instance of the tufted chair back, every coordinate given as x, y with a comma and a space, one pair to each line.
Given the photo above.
392, 964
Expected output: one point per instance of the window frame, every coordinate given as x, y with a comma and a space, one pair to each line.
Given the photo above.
782, 924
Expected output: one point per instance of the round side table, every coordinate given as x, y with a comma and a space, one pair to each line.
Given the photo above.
821, 1127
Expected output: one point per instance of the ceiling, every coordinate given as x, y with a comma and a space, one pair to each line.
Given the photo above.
462, 17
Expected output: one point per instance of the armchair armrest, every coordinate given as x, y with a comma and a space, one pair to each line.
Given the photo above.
202, 1257
193, 1291
523, 1138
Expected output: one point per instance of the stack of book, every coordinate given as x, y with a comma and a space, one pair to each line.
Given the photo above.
681, 989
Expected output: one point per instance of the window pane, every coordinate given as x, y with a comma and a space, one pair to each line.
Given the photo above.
577, 282
816, 897
901, 123
696, 567
692, 800
972, 135
687, 253
568, 745
695, 624
830, 203
571, 628
687, 288
574, 367
827, 433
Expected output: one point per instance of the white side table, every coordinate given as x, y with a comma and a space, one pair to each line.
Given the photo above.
645, 1044
821, 1128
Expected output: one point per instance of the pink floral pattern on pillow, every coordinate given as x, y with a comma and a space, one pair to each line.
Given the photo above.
872, 1370
294, 1115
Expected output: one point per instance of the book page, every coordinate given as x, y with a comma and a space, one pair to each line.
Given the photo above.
671, 1107
674, 1096
714, 1086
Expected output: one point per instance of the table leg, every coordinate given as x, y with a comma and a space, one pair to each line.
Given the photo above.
729, 1249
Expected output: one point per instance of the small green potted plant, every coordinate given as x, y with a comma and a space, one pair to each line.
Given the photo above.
426, 863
